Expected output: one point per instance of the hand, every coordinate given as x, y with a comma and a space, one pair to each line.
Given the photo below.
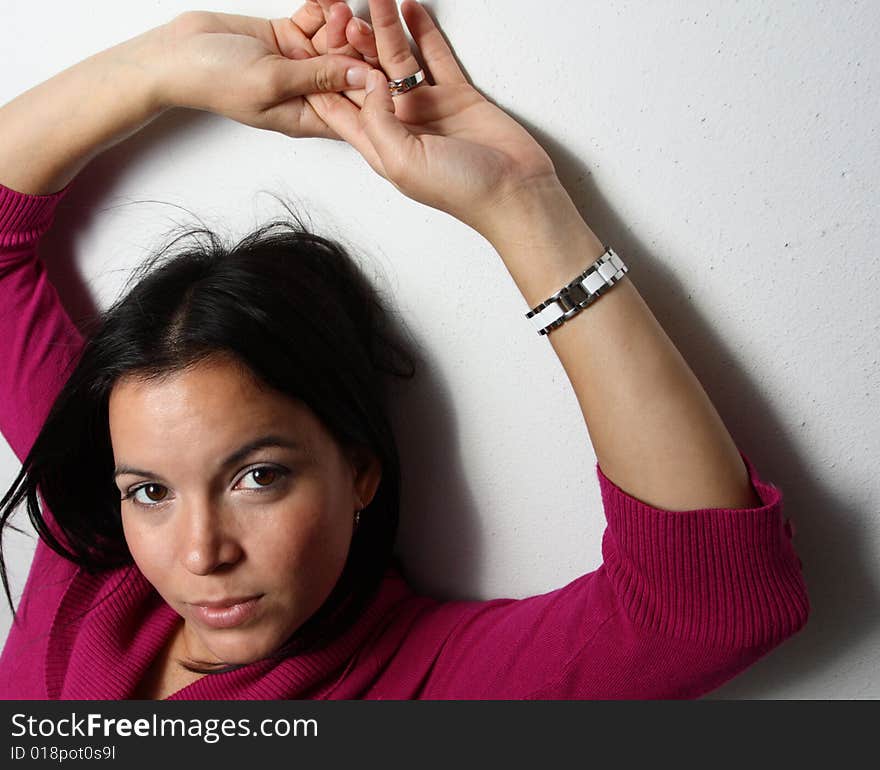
344, 34
254, 70
442, 144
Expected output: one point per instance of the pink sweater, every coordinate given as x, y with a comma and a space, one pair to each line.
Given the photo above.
683, 601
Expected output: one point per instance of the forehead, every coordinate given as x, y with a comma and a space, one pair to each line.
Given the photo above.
213, 402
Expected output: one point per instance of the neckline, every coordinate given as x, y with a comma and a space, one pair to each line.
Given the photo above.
115, 623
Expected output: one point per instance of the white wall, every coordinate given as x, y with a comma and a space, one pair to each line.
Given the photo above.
729, 153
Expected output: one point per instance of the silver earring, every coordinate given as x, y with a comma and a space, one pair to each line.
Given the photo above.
357, 518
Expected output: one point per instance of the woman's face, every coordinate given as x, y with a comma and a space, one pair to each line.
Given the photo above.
206, 523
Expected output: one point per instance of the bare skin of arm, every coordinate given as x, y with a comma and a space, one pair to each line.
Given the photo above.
242, 67
654, 429
53, 130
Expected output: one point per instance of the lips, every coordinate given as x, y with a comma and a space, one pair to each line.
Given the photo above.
226, 613
220, 603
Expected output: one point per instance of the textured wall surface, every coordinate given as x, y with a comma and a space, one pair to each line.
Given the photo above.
729, 153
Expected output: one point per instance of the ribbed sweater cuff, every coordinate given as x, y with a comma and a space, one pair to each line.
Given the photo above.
24, 218
718, 576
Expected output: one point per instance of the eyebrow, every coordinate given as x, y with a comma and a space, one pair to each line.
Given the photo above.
272, 440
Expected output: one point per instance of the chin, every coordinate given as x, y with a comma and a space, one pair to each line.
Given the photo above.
237, 651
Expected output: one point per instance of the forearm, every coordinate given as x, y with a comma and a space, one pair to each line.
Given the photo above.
50, 132
655, 431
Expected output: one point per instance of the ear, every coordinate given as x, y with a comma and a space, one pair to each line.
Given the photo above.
367, 470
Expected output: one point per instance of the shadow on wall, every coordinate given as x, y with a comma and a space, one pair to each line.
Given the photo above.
837, 560
443, 528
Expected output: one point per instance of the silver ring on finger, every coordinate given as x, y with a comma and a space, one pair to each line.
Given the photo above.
401, 86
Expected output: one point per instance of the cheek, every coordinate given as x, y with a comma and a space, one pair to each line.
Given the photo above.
301, 542
288, 537
148, 548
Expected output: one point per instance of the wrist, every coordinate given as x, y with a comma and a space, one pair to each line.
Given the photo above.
143, 61
541, 238
532, 209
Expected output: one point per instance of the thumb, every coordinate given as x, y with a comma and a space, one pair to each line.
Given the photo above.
392, 140
319, 74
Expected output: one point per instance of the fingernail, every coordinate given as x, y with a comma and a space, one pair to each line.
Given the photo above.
356, 76
374, 79
363, 26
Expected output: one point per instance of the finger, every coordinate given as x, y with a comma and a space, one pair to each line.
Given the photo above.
342, 117
309, 18
337, 19
361, 38
435, 51
326, 6
319, 40
297, 118
395, 55
292, 41
310, 22
320, 74
396, 146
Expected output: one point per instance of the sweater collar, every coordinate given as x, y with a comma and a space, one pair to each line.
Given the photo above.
110, 626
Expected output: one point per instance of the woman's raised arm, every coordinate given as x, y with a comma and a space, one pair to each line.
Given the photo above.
238, 66
655, 432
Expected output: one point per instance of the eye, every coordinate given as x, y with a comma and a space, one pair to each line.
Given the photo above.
265, 476
150, 491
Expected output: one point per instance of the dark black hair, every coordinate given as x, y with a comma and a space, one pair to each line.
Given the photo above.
299, 314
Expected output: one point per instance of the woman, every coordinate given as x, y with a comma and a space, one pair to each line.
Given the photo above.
219, 480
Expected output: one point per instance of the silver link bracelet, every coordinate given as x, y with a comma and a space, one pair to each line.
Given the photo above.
578, 294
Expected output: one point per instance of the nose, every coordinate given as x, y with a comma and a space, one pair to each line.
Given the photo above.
209, 540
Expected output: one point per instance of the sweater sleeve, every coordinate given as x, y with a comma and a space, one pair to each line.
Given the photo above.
682, 602
38, 345
39, 341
